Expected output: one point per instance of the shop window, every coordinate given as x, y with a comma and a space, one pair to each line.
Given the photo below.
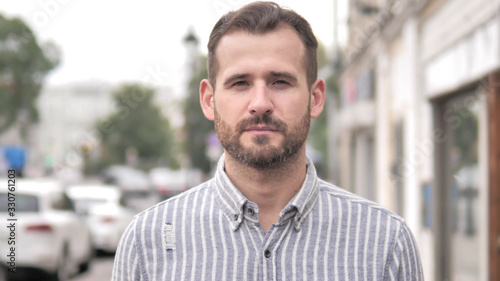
458, 175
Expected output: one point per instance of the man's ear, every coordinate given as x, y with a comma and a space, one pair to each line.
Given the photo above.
318, 92
207, 99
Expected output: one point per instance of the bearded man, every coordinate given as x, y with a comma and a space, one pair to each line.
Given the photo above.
265, 215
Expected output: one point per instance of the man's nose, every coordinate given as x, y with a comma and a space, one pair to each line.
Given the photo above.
261, 102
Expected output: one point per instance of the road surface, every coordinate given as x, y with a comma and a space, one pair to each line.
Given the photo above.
100, 269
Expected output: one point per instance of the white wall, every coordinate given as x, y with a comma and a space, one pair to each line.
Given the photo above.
466, 59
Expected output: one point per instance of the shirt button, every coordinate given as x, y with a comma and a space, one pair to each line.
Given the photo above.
251, 211
236, 217
267, 253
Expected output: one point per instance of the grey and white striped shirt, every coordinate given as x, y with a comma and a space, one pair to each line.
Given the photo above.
212, 232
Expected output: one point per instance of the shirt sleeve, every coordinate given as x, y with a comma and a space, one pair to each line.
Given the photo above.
404, 262
126, 264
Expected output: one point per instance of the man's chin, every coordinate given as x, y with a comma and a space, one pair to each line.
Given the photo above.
260, 157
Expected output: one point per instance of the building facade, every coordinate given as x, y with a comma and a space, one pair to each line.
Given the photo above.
68, 116
419, 128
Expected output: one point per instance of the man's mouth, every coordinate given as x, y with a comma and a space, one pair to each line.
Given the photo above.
260, 129
261, 125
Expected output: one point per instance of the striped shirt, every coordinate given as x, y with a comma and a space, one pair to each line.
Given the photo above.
212, 232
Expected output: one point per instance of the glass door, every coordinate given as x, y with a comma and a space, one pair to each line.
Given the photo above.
459, 203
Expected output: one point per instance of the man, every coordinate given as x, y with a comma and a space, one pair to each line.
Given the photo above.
265, 215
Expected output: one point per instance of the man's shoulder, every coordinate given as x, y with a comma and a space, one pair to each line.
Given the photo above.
346, 197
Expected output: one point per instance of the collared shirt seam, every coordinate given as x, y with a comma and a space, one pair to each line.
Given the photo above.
358, 200
309, 209
143, 272
309, 206
309, 200
220, 198
390, 255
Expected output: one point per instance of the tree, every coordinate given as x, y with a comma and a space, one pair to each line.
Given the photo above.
137, 127
196, 127
23, 65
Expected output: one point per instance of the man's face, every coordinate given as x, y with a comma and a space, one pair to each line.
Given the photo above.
261, 105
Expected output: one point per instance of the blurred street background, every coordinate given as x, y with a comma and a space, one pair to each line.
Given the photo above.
100, 119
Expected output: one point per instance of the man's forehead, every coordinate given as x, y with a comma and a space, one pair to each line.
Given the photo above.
243, 52
236, 43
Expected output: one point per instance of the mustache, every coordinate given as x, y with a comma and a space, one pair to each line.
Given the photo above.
262, 120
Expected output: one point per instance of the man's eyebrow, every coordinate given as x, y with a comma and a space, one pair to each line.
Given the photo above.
284, 74
235, 77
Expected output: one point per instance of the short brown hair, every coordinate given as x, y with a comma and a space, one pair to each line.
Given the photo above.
260, 18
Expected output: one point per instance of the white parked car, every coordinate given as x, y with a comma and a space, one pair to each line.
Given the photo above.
50, 236
168, 183
107, 217
131, 181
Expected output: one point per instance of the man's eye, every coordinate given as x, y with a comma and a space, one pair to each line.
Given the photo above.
240, 83
282, 82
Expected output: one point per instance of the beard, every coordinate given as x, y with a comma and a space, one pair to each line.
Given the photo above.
262, 154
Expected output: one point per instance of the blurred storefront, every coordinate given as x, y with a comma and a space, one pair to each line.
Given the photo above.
420, 125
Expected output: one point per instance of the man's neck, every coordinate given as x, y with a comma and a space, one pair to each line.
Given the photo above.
271, 188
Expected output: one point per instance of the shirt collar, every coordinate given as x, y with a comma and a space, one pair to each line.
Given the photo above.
232, 201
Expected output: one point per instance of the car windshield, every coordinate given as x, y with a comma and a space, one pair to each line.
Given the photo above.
23, 203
